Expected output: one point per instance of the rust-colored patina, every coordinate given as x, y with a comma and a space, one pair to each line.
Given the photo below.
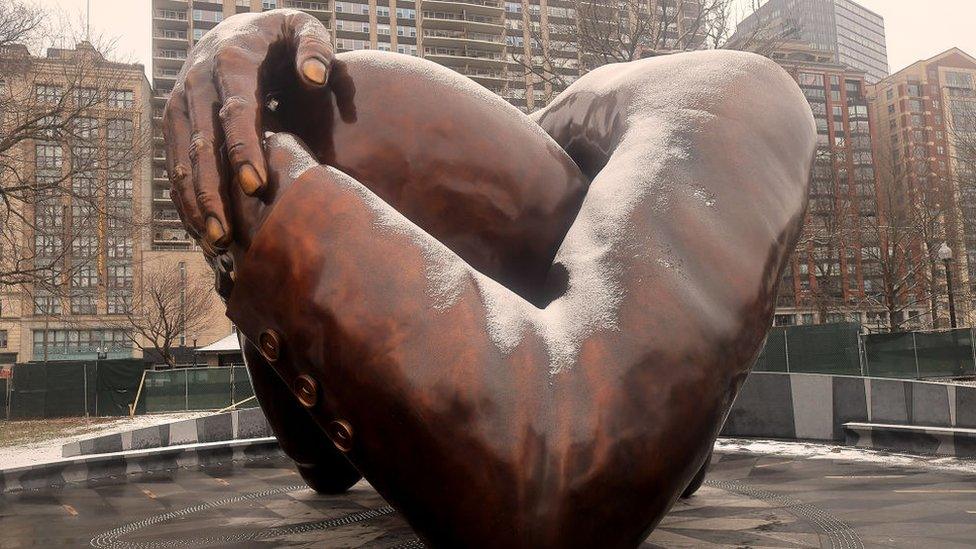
523, 331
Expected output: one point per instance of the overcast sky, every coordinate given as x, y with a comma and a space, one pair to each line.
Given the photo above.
915, 29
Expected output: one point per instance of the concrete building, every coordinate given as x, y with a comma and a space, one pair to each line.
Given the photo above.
92, 179
925, 122
79, 227
853, 34
834, 273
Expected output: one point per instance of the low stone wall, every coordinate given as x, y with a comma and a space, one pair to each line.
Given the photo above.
239, 424
770, 405
157, 462
816, 407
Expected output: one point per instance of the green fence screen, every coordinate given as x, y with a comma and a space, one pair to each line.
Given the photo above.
74, 388
819, 349
919, 355
196, 389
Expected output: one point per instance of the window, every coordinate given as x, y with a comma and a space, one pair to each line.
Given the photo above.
890, 94
785, 320
269, 4
85, 276
404, 13
48, 156
120, 129
209, 16
119, 247
119, 276
382, 11
82, 304
383, 29
120, 188
84, 246
47, 245
406, 30
958, 79
915, 105
3, 339
120, 99
119, 303
47, 93
48, 216
47, 305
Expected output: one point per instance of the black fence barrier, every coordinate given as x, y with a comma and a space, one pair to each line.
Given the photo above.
4, 387
74, 388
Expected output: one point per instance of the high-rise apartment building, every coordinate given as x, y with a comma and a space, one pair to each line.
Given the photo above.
925, 123
852, 33
523, 50
834, 274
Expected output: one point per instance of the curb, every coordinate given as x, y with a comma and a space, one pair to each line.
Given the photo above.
99, 467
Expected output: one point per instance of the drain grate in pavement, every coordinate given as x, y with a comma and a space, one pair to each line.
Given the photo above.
839, 534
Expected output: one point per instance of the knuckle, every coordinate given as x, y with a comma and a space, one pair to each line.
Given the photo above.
177, 175
200, 144
234, 106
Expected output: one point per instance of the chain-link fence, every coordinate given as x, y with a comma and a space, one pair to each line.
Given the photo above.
841, 349
196, 389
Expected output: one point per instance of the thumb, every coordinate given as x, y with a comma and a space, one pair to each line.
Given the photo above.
288, 159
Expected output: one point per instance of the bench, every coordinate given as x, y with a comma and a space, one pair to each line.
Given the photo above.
915, 439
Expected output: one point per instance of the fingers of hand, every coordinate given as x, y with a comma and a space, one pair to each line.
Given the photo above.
235, 72
205, 157
314, 55
177, 130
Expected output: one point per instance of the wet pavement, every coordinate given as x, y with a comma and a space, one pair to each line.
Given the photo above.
749, 500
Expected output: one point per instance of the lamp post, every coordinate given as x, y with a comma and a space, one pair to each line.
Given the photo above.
945, 254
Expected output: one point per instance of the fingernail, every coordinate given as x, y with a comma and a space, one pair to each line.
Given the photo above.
249, 180
314, 70
215, 231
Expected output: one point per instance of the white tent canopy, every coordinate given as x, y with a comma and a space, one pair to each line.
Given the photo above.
227, 344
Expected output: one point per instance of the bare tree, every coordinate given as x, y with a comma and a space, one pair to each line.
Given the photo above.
902, 239
828, 232
63, 156
565, 42
172, 304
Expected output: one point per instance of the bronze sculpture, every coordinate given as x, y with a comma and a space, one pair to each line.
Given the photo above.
523, 331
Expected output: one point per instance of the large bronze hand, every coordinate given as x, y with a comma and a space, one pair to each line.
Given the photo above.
213, 119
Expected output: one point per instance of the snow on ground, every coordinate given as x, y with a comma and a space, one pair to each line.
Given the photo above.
804, 450
49, 449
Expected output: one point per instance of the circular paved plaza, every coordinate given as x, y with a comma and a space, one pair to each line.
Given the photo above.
749, 500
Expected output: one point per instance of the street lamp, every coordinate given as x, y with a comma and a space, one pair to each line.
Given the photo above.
945, 254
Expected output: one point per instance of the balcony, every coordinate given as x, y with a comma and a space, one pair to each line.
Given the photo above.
478, 60
169, 19
485, 7
170, 37
461, 38
312, 7
463, 21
